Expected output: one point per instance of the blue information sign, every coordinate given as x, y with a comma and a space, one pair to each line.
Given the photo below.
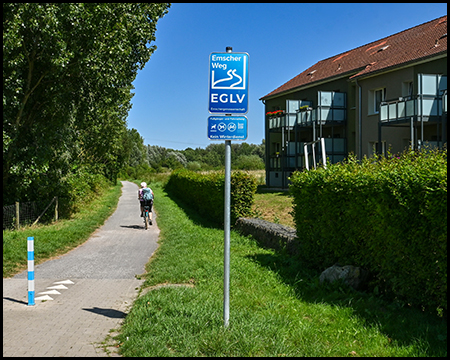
228, 83
227, 128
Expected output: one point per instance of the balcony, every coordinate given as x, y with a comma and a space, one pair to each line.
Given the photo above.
331, 108
283, 119
429, 104
418, 107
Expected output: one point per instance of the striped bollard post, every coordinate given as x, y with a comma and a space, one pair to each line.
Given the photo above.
30, 248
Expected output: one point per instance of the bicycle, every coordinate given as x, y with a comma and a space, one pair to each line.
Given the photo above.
147, 220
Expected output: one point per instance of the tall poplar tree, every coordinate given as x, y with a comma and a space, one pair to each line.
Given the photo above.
68, 70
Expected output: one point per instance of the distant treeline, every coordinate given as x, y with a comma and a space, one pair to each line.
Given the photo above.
153, 158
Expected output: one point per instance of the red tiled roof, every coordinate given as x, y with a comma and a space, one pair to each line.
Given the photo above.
425, 40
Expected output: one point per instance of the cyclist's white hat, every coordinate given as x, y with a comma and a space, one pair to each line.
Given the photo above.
143, 184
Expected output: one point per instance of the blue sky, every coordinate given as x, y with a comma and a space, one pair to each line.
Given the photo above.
170, 105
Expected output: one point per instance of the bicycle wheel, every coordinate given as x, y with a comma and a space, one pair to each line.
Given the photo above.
146, 219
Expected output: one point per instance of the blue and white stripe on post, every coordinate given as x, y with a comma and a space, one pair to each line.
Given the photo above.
30, 248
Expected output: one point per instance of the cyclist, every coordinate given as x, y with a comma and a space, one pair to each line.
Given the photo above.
141, 200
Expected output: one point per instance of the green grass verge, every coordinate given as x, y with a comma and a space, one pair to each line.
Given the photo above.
60, 237
277, 306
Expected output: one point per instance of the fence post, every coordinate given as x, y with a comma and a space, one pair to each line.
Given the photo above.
30, 248
17, 215
56, 208
54, 198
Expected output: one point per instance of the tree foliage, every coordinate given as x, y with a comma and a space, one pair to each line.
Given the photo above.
68, 70
243, 157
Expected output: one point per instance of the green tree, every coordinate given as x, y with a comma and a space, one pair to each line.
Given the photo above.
215, 155
249, 162
68, 70
138, 154
156, 156
159, 157
176, 159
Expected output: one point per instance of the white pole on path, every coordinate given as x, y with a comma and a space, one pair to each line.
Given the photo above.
30, 250
226, 261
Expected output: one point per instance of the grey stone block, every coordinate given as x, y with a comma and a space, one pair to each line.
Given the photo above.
275, 236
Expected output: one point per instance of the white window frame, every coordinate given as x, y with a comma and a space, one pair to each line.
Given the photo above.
408, 89
374, 104
372, 148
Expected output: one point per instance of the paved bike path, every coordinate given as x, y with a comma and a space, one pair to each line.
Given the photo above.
96, 285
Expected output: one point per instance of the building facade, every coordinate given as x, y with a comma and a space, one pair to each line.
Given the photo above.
388, 95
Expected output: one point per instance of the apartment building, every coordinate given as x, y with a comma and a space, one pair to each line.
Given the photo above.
388, 95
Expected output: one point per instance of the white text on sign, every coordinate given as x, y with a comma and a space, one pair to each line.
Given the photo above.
223, 98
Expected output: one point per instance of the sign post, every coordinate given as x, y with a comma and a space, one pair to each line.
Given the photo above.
228, 94
226, 228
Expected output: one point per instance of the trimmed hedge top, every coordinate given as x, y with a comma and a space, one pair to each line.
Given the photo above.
205, 193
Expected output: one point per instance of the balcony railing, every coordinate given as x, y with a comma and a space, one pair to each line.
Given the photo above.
421, 107
400, 109
331, 108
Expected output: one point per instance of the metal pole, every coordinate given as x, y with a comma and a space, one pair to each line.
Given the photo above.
226, 260
444, 123
30, 256
226, 278
305, 150
324, 154
314, 154
359, 121
421, 131
379, 147
283, 153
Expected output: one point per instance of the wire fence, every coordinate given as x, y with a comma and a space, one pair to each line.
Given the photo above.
28, 213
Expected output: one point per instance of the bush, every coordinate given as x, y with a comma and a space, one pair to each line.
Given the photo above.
389, 216
78, 188
134, 172
249, 162
194, 166
205, 193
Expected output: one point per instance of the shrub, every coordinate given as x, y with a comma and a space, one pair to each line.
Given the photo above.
194, 165
78, 188
249, 162
389, 216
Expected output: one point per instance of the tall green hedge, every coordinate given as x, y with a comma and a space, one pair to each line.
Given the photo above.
388, 216
205, 193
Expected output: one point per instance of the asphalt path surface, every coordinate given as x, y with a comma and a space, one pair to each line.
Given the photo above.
95, 286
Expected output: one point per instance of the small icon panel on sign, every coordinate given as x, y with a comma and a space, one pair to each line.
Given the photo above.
227, 128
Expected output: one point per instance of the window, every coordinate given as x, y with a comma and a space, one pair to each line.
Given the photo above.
407, 89
373, 148
380, 95
375, 98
